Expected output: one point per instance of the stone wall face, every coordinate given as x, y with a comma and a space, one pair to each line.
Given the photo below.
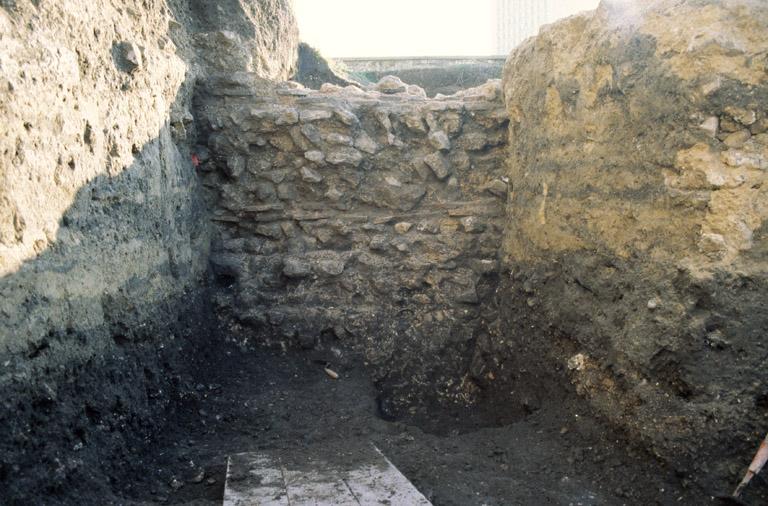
367, 218
104, 237
636, 226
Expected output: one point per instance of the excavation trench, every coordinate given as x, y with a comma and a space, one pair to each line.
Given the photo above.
360, 231
546, 289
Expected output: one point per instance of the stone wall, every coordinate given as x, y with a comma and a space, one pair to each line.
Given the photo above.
104, 237
371, 219
636, 230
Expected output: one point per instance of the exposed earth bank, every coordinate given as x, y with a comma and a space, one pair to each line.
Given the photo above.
636, 229
104, 236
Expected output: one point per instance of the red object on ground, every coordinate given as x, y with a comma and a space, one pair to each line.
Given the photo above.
195, 160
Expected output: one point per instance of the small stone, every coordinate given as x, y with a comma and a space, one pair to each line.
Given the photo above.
728, 125
403, 227
334, 194
490, 91
744, 116
422, 299
283, 143
270, 230
475, 141
344, 155
339, 139
260, 142
438, 164
468, 296
130, 57
330, 88
428, 227
286, 116
737, 140
294, 92
287, 191
366, 144
737, 158
199, 477
449, 226
393, 181
440, 141
310, 115
717, 341
378, 243
710, 125
759, 127
295, 268
472, 225
497, 187
176, 484
577, 362
312, 133
315, 156
416, 91
390, 85
210, 481
235, 166
347, 117
330, 265
310, 175
712, 86
382, 220
483, 266
415, 121
265, 192
653, 304
713, 245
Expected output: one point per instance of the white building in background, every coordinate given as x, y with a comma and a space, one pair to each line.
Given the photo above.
516, 20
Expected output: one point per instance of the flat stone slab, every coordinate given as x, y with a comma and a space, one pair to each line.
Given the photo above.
324, 477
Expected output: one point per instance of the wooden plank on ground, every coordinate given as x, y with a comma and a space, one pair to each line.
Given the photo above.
269, 478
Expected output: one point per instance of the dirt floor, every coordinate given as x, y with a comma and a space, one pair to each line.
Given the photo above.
247, 401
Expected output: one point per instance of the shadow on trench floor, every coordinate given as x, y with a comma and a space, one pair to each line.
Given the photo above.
263, 399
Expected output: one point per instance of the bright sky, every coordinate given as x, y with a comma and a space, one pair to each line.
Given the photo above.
405, 27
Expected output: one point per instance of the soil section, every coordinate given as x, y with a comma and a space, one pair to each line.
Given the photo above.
262, 399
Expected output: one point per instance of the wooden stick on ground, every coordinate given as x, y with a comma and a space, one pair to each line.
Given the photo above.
755, 467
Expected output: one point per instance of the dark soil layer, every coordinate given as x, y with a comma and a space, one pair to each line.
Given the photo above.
75, 434
247, 401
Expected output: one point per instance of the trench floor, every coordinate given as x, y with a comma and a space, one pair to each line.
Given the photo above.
263, 399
